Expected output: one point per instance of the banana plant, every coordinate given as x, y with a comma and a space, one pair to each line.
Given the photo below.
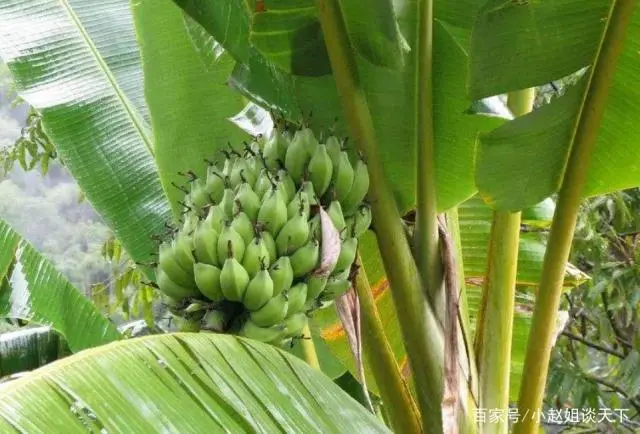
135, 94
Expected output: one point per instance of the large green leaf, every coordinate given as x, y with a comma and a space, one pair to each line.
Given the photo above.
32, 289
29, 348
391, 96
181, 383
522, 162
289, 35
78, 64
186, 91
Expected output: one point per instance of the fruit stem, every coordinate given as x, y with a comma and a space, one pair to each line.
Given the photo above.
401, 408
422, 332
308, 348
543, 324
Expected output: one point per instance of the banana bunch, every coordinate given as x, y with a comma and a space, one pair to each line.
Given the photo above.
246, 256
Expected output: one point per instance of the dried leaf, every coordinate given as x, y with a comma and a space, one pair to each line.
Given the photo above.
348, 307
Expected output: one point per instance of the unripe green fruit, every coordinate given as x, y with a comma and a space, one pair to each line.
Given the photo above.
172, 269
286, 185
215, 218
226, 204
263, 184
233, 280
182, 248
315, 231
294, 324
348, 250
259, 291
205, 241
335, 214
305, 259
273, 211
255, 256
251, 330
336, 287
299, 204
282, 275
208, 281
275, 149
307, 187
358, 189
243, 226
186, 325
361, 220
214, 184
315, 286
172, 289
271, 313
334, 148
230, 236
270, 243
215, 320
299, 153
293, 235
246, 200
320, 170
199, 196
241, 172
297, 296
342, 178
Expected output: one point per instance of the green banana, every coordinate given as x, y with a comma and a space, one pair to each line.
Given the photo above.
299, 204
335, 214
205, 241
215, 320
194, 307
297, 297
171, 267
293, 235
320, 170
361, 220
242, 172
199, 196
226, 204
183, 250
270, 243
215, 218
259, 291
334, 148
228, 164
186, 325
172, 289
214, 184
347, 255
263, 184
246, 200
314, 227
233, 278
294, 324
335, 288
190, 224
307, 187
273, 149
343, 176
229, 236
271, 313
242, 225
315, 286
299, 153
358, 190
305, 259
255, 255
273, 211
286, 185
282, 275
251, 330
208, 281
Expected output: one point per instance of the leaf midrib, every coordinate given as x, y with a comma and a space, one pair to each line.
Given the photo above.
110, 78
